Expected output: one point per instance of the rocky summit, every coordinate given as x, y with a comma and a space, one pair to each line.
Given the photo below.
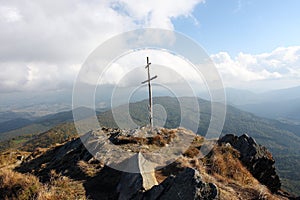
235, 168
256, 158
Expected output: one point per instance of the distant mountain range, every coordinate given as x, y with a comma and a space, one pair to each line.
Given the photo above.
34, 125
283, 104
281, 138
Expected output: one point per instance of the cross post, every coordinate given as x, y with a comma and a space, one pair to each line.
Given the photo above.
150, 93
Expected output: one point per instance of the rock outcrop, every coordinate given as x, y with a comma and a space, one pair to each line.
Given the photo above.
178, 180
186, 185
256, 158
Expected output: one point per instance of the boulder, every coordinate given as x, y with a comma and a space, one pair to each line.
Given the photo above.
186, 185
130, 186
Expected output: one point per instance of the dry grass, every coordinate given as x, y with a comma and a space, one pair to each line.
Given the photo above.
14, 185
168, 134
38, 151
223, 168
178, 166
161, 138
193, 151
157, 140
90, 169
61, 187
223, 163
10, 158
234, 181
231, 187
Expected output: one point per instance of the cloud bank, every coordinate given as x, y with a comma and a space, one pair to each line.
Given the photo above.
44, 43
281, 66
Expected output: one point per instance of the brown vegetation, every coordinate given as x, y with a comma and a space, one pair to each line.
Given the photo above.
223, 161
14, 185
10, 158
61, 187
160, 139
90, 169
223, 168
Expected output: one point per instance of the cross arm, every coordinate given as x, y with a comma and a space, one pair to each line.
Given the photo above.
154, 77
148, 64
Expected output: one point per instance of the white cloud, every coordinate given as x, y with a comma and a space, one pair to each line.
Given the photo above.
281, 64
9, 14
130, 69
12, 76
156, 13
38, 76
42, 40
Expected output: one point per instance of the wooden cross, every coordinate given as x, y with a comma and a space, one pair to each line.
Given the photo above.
150, 93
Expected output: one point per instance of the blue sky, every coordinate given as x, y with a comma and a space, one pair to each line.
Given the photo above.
254, 43
249, 26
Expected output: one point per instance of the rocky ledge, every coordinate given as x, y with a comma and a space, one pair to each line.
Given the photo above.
256, 158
